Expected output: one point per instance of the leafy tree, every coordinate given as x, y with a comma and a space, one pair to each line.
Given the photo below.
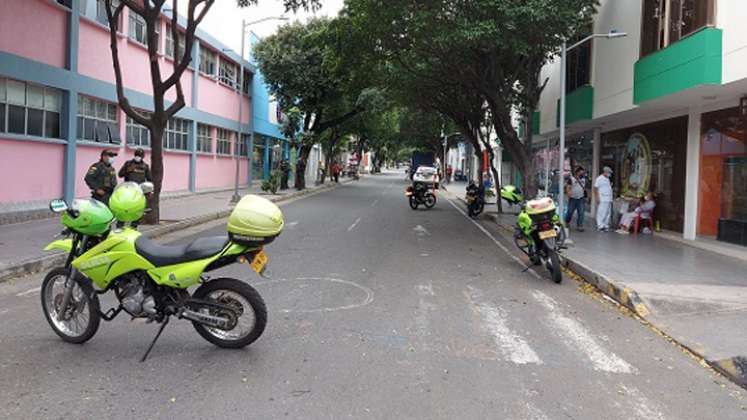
302, 67
150, 11
486, 53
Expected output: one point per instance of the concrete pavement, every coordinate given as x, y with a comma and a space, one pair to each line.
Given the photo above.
375, 311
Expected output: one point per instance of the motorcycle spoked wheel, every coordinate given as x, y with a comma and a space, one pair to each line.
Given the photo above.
82, 317
413, 203
430, 201
248, 305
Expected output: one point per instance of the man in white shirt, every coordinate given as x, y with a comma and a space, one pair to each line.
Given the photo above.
603, 194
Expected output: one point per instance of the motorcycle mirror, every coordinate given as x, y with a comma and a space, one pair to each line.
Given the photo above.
147, 187
58, 206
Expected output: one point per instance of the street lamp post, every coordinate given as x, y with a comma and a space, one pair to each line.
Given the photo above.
563, 53
236, 197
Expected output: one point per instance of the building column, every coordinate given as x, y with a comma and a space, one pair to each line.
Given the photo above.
692, 174
196, 73
596, 152
70, 111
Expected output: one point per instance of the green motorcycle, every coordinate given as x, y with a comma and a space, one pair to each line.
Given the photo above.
539, 232
150, 281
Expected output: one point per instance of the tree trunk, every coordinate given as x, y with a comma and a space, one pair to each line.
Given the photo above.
496, 179
303, 158
156, 170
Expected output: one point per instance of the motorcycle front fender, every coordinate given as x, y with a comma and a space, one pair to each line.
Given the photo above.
61, 244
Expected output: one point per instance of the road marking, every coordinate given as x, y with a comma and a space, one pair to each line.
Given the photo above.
374, 202
421, 231
354, 224
494, 320
495, 241
29, 292
367, 300
577, 337
641, 405
291, 224
422, 313
4, 311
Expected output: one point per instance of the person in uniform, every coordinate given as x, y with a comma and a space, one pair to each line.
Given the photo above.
101, 177
284, 174
136, 170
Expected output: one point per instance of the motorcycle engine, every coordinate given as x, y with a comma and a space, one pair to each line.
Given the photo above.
134, 298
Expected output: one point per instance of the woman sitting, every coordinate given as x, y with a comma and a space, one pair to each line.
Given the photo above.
644, 211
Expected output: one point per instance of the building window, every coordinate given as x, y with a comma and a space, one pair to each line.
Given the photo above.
578, 65
28, 109
247, 83
138, 30
224, 142
170, 43
204, 139
228, 73
176, 135
97, 120
137, 135
243, 148
667, 21
66, 3
207, 62
96, 10
258, 157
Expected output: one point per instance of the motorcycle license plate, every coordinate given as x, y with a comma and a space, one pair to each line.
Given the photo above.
259, 261
548, 234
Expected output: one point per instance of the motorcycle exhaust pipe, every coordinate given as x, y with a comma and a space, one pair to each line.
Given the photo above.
205, 319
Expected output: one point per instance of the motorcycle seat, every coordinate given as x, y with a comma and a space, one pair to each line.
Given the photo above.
163, 255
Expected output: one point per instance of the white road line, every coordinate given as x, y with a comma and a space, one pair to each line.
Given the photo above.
291, 224
642, 407
374, 202
422, 313
577, 337
29, 292
354, 224
4, 311
495, 241
510, 344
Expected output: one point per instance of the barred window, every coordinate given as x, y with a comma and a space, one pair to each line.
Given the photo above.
28, 109
96, 10
170, 43
228, 73
224, 142
97, 120
176, 135
137, 29
137, 135
207, 62
204, 139
243, 145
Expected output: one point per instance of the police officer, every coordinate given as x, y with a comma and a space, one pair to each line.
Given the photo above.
136, 170
101, 177
284, 174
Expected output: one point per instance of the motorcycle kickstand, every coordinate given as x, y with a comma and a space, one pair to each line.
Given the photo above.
153, 343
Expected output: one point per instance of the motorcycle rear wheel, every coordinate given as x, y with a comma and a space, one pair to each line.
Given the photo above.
83, 311
553, 266
245, 300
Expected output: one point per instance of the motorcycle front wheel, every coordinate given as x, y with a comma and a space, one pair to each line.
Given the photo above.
249, 309
413, 203
78, 322
430, 201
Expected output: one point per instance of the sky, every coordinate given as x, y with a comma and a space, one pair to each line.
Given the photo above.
223, 21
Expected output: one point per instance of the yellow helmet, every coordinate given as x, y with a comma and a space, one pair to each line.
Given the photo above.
127, 202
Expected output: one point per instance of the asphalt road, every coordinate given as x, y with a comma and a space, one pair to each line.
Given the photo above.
375, 311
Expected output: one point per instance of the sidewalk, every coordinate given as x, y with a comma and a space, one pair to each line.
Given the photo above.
22, 244
697, 297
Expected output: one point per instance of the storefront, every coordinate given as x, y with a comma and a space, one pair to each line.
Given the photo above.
722, 209
546, 159
650, 158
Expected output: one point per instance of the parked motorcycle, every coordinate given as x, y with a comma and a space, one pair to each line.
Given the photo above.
539, 232
150, 280
420, 193
475, 199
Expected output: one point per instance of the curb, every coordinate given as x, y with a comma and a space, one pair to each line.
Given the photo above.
45, 262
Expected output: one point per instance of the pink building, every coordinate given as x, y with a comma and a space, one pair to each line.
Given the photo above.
58, 103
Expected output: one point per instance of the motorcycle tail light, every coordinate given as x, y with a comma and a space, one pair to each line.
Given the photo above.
546, 226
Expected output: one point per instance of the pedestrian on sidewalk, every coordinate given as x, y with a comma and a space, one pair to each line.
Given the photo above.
575, 189
135, 169
101, 177
284, 174
604, 197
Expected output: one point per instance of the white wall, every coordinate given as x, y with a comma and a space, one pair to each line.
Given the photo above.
731, 16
